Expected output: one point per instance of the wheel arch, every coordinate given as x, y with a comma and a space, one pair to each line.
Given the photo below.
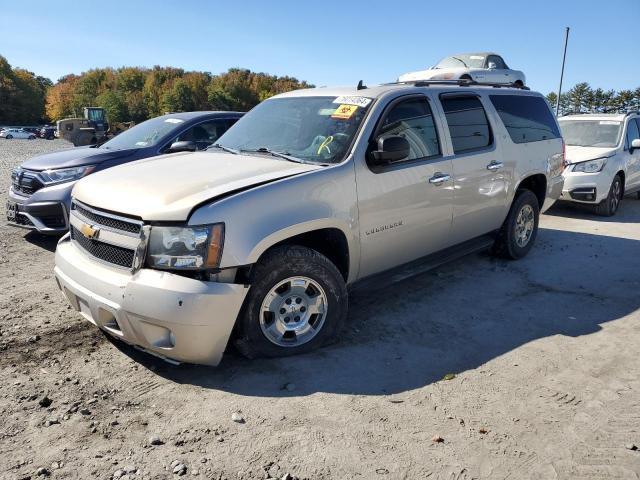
536, 183
325, 237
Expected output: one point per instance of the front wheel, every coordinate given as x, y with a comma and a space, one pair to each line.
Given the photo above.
520, 229
297, 302
9, 137
609, 206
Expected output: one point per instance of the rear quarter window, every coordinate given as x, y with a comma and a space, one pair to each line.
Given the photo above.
527, 119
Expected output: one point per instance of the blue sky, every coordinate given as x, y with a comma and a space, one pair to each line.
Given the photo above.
329, 42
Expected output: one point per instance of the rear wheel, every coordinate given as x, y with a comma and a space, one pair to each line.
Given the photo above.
466, 78
518, 84
297, 303
9, 137
519, 231
609, 206
32, 137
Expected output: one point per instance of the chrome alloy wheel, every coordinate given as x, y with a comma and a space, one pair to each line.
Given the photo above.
293, 312
525, 223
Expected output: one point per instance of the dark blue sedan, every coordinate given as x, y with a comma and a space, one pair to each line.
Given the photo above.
40, 193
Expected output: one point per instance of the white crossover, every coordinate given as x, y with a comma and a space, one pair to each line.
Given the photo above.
603, 156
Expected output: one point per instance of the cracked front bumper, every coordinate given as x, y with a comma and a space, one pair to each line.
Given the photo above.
168, 315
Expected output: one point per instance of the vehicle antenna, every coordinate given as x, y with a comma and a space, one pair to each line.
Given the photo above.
361, 86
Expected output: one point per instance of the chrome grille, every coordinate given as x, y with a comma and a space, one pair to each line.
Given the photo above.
120, 256
110, 238
110, 222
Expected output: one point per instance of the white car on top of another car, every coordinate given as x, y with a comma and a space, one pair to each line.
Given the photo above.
603, 156
10, 133
484, 67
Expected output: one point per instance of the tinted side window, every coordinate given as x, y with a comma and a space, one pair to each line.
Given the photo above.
205, 134
413, 120
528, 119
632, 132
497, 60
468, 123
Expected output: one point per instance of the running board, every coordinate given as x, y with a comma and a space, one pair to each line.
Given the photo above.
424, 264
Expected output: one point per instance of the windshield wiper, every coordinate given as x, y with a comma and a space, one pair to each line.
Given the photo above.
283, 155
222, 147
456, 58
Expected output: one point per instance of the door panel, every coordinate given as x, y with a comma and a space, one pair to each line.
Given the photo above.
402, 215
405, 208
479, 173
632, 160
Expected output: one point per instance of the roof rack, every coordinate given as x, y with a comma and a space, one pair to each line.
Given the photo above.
460, 82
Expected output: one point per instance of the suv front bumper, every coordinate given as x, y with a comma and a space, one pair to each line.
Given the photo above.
590, 188
168, 315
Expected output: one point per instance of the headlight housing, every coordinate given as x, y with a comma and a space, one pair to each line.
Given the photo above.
590, 166
61, 175
185, 248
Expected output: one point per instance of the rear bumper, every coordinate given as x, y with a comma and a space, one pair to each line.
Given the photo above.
168, 315
554, 192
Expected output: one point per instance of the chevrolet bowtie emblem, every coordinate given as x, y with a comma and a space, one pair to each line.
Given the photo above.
89, 231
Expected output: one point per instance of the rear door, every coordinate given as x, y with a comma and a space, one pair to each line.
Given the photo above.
405, 207
480, 176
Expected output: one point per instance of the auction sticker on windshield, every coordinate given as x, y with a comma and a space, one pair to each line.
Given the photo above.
344, 112
353, 100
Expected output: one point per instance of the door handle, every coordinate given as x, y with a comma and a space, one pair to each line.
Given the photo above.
493, 166
439, 178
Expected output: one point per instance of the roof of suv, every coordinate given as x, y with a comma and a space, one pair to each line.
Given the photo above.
617, 117
377, 91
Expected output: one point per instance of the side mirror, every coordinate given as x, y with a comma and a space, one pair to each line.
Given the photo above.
635, 145
185, 146
492, 66
390, 149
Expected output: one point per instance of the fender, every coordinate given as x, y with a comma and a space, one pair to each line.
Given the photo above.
258, 218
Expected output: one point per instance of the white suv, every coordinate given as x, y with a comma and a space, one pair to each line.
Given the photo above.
603, 153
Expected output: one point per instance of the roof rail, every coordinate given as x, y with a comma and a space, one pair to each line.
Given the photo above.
460, 82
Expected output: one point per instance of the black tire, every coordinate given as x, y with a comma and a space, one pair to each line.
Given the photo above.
609, 206
518, 84
507, 244
466, 78
276, 266
9, 137
32, 137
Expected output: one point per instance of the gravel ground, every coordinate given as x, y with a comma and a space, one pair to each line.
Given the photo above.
480, 369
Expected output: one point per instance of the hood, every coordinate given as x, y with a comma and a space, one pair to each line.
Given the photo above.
575, 154
433, 74
167, 188
73, 157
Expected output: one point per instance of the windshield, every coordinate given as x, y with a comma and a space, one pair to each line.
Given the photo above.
313, 129
590, 133
460, 61
143, 135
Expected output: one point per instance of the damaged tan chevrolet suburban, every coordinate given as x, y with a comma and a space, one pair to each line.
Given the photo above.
257, 239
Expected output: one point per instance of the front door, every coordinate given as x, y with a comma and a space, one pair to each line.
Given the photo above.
632, 159
405, 206
480, 175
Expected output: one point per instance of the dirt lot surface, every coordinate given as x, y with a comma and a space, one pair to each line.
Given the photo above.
543, 353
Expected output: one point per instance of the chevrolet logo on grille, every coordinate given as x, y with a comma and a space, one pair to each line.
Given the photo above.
89, 231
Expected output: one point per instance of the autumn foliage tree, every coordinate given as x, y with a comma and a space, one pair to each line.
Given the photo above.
22, 95
132, 93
